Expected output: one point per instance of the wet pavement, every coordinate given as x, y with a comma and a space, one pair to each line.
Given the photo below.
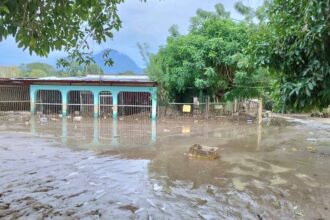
137, 169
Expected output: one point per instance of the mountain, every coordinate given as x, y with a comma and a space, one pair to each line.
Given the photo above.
121, 63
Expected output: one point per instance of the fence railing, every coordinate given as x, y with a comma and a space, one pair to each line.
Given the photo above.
207, 109
130, 104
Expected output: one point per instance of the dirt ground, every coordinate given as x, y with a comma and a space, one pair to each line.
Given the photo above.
138, 169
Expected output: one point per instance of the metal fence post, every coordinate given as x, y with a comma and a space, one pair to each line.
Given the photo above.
96, 104
64, 94
33, 94
114, 104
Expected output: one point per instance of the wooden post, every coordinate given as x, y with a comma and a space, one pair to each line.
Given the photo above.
260, 111
235, 107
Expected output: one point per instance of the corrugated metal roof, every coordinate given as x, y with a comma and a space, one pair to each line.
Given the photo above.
112, 78
107, 79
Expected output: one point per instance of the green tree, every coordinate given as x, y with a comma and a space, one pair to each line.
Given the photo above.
73, 70
93, 69
207, 58
42, 26
294, 40
37, 70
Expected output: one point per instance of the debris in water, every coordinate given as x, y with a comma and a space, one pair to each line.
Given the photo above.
167, 189
131, 208
157, 187
4, 206
325, 154
294, 149
43, 119
297, 211
96, 212
276, 204
210, 190
201, 201
311, 149
311, 139
259, 217
199, 151
77, 118
70, 212
54, 119
43, 189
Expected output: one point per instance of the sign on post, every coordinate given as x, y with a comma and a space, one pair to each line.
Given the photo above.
186, 108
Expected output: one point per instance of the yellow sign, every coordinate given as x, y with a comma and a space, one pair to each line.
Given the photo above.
186, 108
185, 130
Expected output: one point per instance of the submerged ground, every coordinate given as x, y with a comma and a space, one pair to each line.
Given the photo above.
133, 169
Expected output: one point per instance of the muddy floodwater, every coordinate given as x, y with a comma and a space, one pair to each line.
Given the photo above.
139, 169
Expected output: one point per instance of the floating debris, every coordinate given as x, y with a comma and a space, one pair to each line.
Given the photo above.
43, 119
311, 139
131, 208
77, 118
311, 149
205, 152
323, 154
294, 149
200, 201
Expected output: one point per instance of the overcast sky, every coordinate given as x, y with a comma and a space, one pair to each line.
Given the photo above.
144, 22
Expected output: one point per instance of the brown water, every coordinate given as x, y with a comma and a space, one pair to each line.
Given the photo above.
140, 170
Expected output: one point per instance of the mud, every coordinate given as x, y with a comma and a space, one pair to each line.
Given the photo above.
141, 170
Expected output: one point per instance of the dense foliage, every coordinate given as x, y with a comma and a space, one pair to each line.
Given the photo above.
281, 50
42, 26
210, 58
294, 40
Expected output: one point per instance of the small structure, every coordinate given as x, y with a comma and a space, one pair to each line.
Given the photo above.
89, 95
203, 152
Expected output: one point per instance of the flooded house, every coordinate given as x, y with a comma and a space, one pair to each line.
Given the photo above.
105, 96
